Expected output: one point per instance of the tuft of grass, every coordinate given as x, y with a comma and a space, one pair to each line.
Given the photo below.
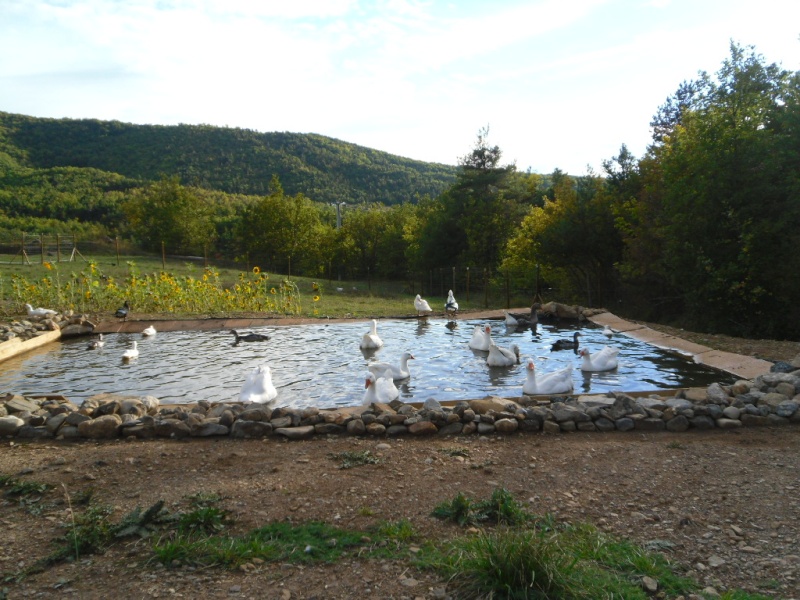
402, 531
500, 509
355, 459
455, 451
203, 499
207, 520
16, 488
366, 511
458, 510
676, 445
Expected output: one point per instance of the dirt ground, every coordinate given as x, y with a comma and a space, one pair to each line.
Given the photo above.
726, 501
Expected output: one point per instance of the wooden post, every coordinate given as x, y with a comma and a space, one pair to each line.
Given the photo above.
205, 256
454, 280
163, 256
467, 284
41, 246
58, 248
116, 243
369, 282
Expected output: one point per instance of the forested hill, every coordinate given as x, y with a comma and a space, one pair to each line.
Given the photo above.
235, 161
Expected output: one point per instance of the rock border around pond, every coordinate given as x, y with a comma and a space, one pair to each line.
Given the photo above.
771, 399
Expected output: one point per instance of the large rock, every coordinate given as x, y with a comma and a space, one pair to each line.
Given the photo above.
101, 428
10, 425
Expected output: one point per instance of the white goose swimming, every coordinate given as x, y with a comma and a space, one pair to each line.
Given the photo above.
371, 340
39, 312
604, 360
481, 338
422, 305
258, 386
396, 372
502, 357
150, 330
379, 389
607, 331
555, 382
96, 344
131, 353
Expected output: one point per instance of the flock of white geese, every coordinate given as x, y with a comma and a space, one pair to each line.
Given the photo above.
381, 377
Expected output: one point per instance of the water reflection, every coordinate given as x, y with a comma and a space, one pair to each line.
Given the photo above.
322, 364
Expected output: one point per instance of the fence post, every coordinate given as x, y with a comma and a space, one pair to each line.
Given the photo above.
467, 284
58, 247
485, 288
205, 256
454, 280
116, 243
163, 256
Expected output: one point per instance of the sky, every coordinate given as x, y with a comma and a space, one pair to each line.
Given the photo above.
559, 83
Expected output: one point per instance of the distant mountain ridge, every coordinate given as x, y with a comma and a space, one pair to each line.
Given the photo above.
231, 160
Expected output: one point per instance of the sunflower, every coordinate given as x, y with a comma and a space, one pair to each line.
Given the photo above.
316, 298
256, 270
48, 265
272, 291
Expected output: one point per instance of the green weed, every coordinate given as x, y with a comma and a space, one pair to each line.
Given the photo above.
355, 459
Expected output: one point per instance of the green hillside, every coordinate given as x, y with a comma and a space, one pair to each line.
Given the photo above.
234, 161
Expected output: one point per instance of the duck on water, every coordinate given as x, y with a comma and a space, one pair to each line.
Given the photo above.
249, 337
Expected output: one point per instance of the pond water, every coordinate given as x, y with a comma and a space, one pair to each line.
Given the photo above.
322, 364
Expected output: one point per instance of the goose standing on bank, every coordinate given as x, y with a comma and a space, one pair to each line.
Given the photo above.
605, 360
39, 312
258, 386
148, 331
567, 344
371, 340
379, 389
396, 372
451, 306
248, 337
555, 382
481, 338
122, 311
131, 353
96, 344
502, 357
422, 305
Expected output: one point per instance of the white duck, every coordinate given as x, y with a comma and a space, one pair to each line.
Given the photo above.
555, 382
451, 306
422, 305
371, 340
149, 330
502, 357
607, 331
39, 312
96, 344
131, 353
481, 338
379, 389
258, 386
604, 360
396, 372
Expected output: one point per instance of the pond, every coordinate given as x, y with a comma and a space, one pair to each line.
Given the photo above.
322, 364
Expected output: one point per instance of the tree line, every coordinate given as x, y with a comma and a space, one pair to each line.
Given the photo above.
701, 231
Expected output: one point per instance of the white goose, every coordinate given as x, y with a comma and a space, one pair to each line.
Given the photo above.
379, 389
555, 382
396, 372
150, 330
502, 357
130, 353
96, 344
422, 305
604, 360
607, 331
481, 338
39, 312
258, 386
371, 340
451, 306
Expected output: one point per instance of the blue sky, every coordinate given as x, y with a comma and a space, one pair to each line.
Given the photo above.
560, 83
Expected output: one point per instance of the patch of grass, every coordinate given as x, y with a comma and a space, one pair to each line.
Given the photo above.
458, 510
204, 499
542, 563
16, 488
500, 509
402, 531
676, 445
365, 511
455, 451
740, 595
207, 520
355, 459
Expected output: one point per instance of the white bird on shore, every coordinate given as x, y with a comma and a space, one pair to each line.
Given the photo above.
130, 353
258, 386
451, 306
422, 305
371, 340
607, 331
149, 330
379, 389
555, 382
396, 372
39, 312
481, 338
605, 360
502, 357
